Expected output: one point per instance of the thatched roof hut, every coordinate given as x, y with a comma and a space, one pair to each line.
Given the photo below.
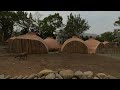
30, 43
94, 46
52, 44
108, 44
74, 45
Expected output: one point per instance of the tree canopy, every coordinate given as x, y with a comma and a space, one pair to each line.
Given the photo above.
76, 25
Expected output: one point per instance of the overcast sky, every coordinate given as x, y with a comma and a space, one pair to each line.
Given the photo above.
100, 21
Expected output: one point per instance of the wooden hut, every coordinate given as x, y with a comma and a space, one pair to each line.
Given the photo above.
74, 45
52, 44
30, 43
94, 46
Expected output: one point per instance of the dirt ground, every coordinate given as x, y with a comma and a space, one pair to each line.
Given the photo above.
36, 63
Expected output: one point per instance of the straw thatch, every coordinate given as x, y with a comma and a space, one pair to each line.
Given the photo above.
108, 44
29, 43
94, 46
52, 44
74, 45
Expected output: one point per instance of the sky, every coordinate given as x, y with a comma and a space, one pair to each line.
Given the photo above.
100, 21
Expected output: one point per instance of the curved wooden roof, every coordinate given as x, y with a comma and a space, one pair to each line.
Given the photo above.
93, 44
51, 43
74, 38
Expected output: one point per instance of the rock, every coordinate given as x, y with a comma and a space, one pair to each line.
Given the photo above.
84, 77
74, 78
67, 74
95, 78
25, 77
2, 76
20, 77
35, 78
88, 74
50, 76
102, 76
8, 77
58, 76
14, 77
43, 77
39, 78
44, 72
111, 77
32, 76
78, 74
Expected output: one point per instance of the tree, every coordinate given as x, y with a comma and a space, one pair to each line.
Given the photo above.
76, 25
99, 38
107, 36
49, 25
7, 19
117, 23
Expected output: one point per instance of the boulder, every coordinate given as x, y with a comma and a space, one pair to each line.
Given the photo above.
111, 77
88, 74
8, 77
20, 77
58, 76
67, 74
95, 78
78, 74
32, 76
50, 76
15, 77
102, 76
74, 78
2, 76
25, 77
44, 72
43, 77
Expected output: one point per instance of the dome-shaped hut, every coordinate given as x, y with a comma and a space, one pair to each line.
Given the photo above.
94, 46
30, 43
52, 44
74, 45
108, 44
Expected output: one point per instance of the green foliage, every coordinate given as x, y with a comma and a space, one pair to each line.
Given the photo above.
117, 23
99, 38
116, 40
107, 36
76, 25
7, 19
49, 24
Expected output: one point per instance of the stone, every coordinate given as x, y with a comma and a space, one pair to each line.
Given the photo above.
20, 77
45, 72
111, 77
35, 78
50, 76
43, 77
58, 76
95, 78
25, 77
67, 74
102, 76
78, 74
74, 78
84, 77
2, 76
32, 76
88, 74
8, 77
14, 77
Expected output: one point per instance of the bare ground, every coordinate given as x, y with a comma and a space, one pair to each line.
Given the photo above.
36, 63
